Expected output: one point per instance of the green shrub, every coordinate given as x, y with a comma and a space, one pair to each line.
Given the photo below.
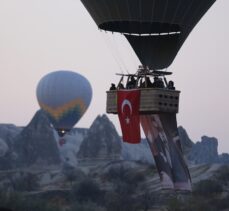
194, 203
17, 202
174, 204
207, 187
223, 175
220, 204
146, 200
121, 174
117, 174
136, 177
87, 190
26, 182
198, 203
72, 175
120, 202
86, 206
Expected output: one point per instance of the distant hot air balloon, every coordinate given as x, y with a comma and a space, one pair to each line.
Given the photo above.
65, 97
156, 29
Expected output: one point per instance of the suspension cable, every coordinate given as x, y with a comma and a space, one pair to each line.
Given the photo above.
118, 54
112, 52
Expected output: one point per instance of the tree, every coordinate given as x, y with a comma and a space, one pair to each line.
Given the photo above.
207, 187
87, 190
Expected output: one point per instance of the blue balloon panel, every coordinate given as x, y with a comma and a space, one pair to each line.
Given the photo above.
65, 97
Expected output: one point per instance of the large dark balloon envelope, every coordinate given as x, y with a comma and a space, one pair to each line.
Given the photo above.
156, 29
65, 97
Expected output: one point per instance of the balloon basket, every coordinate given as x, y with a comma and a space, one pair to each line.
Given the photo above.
152, 101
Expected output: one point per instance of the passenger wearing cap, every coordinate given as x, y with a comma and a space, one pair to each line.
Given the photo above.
112, 87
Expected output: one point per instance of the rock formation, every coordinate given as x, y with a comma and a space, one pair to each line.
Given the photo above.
102, 141
205, 151
36, 144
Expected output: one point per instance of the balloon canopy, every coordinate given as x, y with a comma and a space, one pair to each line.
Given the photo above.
156, 29
64, 96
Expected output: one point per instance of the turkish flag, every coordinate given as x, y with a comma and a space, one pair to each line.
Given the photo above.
128, 113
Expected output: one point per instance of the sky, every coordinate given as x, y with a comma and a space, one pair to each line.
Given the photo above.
38, 37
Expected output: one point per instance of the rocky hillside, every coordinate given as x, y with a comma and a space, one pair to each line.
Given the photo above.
204, 151
186, 142
137, 152
8, 132
102, 142
201, 152
36, 143
109, 186
69, 150
54, 173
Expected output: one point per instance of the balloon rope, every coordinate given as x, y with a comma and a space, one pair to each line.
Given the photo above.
116, 44
115, 51
119, 55
110, 47
140, 13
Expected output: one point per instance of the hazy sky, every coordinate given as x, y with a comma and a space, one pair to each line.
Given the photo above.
40, 36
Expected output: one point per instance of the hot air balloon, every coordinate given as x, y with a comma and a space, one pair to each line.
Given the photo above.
156, 30
65, 97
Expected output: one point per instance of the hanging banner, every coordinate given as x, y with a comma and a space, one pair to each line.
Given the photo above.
159, 147
162, 135
128, 112
181, 175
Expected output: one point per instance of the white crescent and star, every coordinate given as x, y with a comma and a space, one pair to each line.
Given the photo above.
127, 103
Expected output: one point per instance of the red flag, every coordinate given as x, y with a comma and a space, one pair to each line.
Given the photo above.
128, 113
